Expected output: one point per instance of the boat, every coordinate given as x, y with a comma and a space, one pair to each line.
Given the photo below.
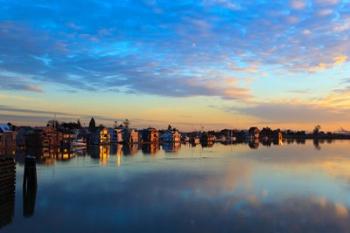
79, 143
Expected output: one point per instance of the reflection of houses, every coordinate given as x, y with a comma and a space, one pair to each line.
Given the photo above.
7, 140
101, 152
130, 149
277, 137
7, 190
171, 147
207, 139
48, 157
150, 135
254, 144
150, 148
64, 154
104, 152
93, 151
171, 136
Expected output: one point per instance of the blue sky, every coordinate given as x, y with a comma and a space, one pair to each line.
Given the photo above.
218, 63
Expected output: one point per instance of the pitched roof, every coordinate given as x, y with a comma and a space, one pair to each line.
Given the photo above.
5, 128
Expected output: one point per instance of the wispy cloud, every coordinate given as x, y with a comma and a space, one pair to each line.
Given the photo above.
89, 47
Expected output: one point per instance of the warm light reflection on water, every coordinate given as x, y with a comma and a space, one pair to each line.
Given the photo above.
180, 188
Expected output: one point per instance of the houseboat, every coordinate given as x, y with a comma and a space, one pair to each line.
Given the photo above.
253, 133
7, 140
171, 136
150, 135
130, 136
100, 136
207, 139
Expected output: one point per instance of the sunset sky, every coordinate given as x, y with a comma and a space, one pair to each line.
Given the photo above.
193, 64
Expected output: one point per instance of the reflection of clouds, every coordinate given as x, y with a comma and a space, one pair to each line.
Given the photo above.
233, 174
299, 154
338, 168
341, 210
224, 186
154, 201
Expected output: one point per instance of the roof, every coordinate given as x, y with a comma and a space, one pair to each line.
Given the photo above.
4, 128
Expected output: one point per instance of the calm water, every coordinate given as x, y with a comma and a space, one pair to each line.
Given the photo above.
288, 188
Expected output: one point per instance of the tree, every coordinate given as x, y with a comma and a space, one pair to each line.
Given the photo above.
92, 124
126, 123
79, 124
317, 129
169, 127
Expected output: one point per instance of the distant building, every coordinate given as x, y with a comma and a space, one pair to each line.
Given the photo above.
266, 134
130, 136
119, 134
150, 148
150, 135
277, 137
228, 135
21, 136
45, 137
253, 133
7, 140
113, 135
171, 136
207, 139
100, 136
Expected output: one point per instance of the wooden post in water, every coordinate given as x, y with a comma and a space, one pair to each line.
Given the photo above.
29, 186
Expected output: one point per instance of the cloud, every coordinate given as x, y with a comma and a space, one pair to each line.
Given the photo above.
284, 112
338, 60
327, 2
298, 4
171, 48
10, 82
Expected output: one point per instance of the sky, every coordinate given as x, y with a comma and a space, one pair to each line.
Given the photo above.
195, 64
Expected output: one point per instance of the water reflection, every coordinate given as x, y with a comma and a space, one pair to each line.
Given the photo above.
130, 149
29, 186
150, 148
171, 147
286, 188
254, 144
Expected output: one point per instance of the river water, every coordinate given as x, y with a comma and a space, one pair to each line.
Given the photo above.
223, 188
